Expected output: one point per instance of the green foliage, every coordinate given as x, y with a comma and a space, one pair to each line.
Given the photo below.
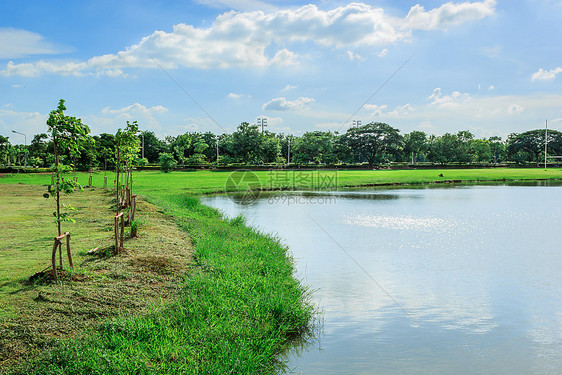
377, 142
238, 309
315, 147
67, 133
127, 142
141, 162
529, 146
167, 162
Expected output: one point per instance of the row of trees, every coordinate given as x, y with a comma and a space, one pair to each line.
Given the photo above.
374, 144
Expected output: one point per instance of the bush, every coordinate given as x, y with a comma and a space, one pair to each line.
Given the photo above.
167, 162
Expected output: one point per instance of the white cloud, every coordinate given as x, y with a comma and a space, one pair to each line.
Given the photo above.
546, 75
28, 123
355, 56
514, 109
484, 115
111, 119
243, 5
289, 87
132, 109
380, 110
491, 87
448, 14
383, 53
454, 100
235, 96
18, 43
282, 104
241, 39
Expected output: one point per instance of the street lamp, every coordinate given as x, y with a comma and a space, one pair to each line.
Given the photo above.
25, 143
142, 135
217, 142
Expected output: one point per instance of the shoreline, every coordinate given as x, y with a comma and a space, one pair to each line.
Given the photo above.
230, 301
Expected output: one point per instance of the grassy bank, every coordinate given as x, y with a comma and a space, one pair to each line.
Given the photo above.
156, 184
238, 306
33, 316
235, 311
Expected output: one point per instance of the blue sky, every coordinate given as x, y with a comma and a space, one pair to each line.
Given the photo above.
492, 66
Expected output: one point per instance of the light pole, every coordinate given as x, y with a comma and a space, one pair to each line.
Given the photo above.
289, 152
25, 145
217, 142
545, 142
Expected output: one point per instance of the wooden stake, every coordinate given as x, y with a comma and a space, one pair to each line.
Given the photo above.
68, 249
54, 258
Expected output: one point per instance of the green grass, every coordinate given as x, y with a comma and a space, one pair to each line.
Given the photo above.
34, 315
155, 183
240, 306
237, 310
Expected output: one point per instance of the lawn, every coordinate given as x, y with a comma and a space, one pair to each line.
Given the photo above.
156, 184
232, 308
34, 315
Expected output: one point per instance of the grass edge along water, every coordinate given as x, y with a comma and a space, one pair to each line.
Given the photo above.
239, 308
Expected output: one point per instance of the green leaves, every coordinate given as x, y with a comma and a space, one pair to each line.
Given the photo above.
70, 134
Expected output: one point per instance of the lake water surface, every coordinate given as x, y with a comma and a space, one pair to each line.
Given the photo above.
456, 280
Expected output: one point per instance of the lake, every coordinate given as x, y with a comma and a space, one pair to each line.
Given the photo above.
429, 280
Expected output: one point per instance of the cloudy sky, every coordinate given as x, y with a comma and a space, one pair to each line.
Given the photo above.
492, 66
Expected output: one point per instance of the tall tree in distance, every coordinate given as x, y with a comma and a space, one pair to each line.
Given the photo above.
414, 143
377, 142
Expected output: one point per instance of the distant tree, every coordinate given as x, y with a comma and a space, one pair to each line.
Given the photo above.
414, 143
246, 143
39, 149
106, 150
498, 149
167, 162
249, 145
531, 143
5, 150
462, 154
377, 142
198, 157
315, 147
480, 150
152, 146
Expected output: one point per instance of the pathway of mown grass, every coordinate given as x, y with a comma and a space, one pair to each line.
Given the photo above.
33, 316
237, 310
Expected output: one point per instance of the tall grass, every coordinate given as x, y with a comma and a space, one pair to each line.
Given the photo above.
238, 309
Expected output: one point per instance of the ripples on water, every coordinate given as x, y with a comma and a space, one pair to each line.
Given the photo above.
478, 270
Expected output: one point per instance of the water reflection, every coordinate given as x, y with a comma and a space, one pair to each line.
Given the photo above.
476, 268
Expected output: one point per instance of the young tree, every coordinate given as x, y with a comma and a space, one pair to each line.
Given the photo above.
127, 149
67, 133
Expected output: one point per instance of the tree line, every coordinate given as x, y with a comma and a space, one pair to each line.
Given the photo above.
373, 144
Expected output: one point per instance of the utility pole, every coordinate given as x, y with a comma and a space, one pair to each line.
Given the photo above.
262, 121
289, 152
25, 146
545, 142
